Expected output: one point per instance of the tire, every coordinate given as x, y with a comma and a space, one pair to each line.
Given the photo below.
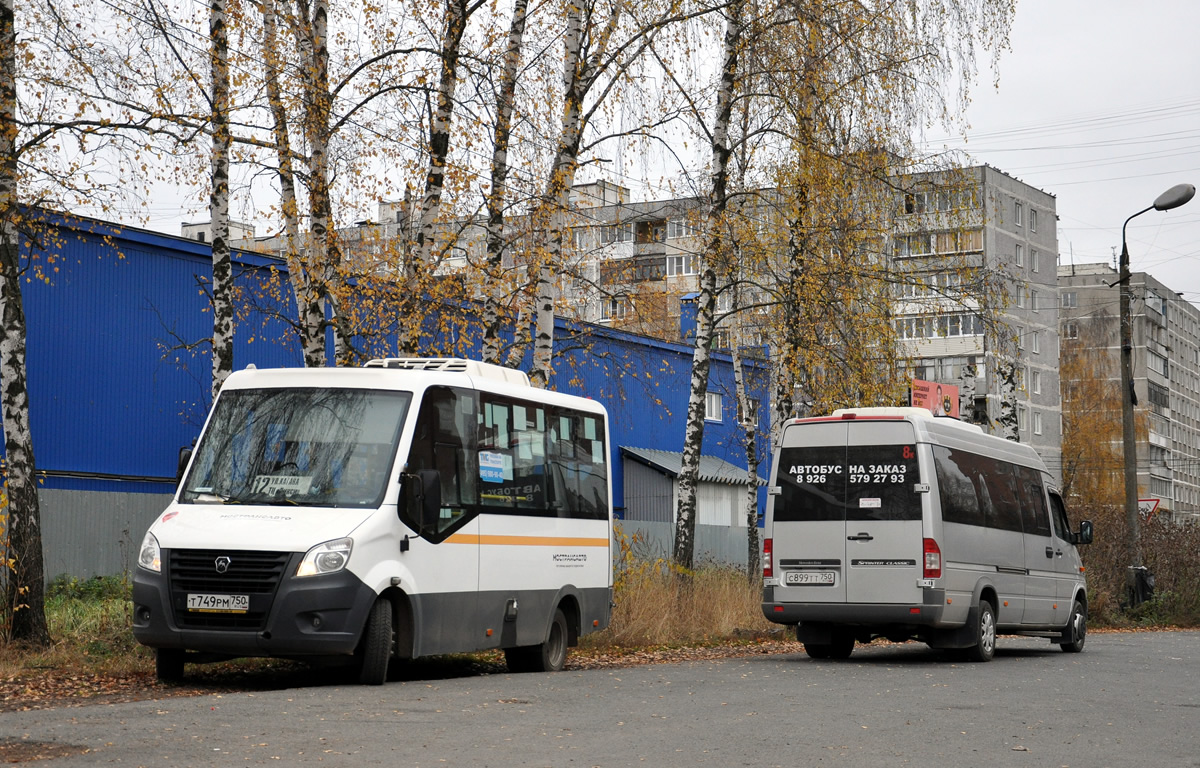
375, 648
549, 656
168, 664
1076, 632
815, 651
985, 634
842, 645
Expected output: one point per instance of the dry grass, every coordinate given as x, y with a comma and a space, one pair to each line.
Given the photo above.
657, 604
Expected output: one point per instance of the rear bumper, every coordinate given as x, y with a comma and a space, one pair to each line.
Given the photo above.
927, 613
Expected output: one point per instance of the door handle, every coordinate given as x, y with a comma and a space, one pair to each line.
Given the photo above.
1049, 551
861, 537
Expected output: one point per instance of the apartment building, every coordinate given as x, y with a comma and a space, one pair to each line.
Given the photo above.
1166, 373
968, 245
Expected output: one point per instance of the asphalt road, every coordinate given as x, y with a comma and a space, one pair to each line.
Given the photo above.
1127, 700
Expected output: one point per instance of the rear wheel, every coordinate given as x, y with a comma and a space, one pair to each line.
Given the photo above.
550, 656
815, 651
842, 646
375, 648
985, 634
1076, 632
168, 664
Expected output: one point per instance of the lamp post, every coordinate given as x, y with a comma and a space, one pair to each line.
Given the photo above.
1172, 198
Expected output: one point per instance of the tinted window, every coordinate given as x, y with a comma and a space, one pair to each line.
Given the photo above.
976, 490
865, 482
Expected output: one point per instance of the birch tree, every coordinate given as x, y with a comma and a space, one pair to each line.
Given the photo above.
222, 257
834, 86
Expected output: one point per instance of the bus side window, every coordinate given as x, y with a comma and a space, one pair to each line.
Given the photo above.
1032, 497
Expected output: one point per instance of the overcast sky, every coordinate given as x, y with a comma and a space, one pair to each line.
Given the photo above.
1099, 105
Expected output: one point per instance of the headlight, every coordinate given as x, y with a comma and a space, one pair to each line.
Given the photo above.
329, 557
150, 556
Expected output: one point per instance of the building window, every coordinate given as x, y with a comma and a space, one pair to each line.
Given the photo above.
1032, 220
1071, 330
617, 233
1021, 297
677, 228
1037, 382
1018, 214
681, 264
1070, 299
1160, 487
1035, 342
712, 406
1033, 260
1156, 363
1020, 255
613, 307
1033, 300
1037, 423
1022, 419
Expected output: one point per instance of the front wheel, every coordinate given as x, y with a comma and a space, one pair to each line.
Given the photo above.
168, 664
375, 648
985, 634
1076, 632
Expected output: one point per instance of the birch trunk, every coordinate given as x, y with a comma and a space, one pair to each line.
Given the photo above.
578, 76
497, 197
222, 287
21, 519
457, 14
749, 426
683, 552
322, 256
308, 301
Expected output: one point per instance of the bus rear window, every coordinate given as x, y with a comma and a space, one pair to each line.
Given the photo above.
859, 482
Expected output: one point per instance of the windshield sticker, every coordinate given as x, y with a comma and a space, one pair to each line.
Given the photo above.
272, 484
870, 503
491, 467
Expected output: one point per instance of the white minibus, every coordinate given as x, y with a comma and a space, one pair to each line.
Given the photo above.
891, 522
407, 508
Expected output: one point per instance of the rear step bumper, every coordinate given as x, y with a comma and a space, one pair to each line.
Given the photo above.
926, 613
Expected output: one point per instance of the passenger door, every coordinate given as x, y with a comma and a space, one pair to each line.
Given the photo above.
1068, 564
1041, 568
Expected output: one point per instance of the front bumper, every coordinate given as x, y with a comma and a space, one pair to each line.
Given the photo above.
310, 616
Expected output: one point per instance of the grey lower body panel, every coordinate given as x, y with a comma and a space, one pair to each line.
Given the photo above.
927, 613
325, 616
457, 622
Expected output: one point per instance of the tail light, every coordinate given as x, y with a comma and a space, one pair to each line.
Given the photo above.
933, 560
768, 568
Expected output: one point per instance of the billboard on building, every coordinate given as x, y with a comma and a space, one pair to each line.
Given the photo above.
940, 399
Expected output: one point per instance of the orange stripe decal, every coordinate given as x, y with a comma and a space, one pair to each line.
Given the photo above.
527, 541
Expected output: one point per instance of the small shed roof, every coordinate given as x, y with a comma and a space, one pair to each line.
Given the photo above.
712, 469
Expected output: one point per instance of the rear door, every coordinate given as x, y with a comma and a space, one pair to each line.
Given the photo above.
847, 522
809, 517
883, 513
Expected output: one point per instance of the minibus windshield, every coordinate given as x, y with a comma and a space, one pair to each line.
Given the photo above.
303, 446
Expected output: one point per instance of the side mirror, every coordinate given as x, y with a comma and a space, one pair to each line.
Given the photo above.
423, 498
185, 456
1085, 533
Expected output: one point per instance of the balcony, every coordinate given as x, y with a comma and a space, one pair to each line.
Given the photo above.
639, 269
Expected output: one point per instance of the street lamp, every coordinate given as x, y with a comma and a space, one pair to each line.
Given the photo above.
1172, 198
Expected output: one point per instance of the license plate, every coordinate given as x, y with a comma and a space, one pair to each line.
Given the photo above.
218, 603
812, 578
